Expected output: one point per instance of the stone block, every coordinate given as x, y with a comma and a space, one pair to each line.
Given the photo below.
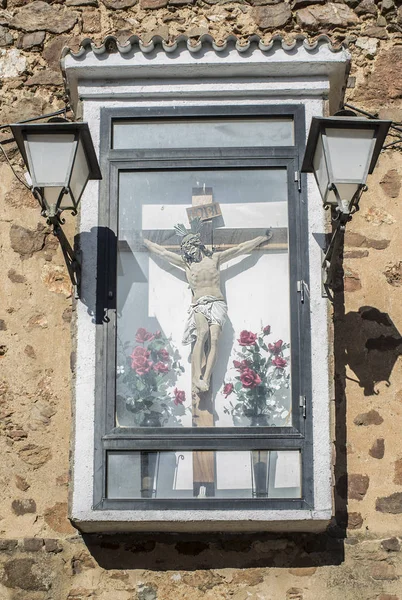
355, 520
318, 17
6, 38
367, 7
390, 504
391, 183
27, 241
8, 545
119, 4
352, 281
35, 455
27, 41
385, 80
45, 77
33, 544
377, 216
376, 32
21, 483
391, 544
355, 254
377, 449
81, 2
387, 6
24, 506
273, 16
40, 16
30, 351
56, 279
16, 277
369, 418
383, 571
398, 472
12, 64
53, 546
91, 21
153, 3
23, 573
367, 45
357, 486
393, 274
56, 517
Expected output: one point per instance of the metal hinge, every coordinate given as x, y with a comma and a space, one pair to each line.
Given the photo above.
298, 180
302, 289
302, 404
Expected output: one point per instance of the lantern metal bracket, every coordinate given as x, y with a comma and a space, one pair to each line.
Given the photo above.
71, 257
342, 214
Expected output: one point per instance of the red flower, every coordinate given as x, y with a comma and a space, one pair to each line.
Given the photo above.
139, 360
241, 365
279, 362
276, 347
249, 378
163, 355
143, 335
227, 389
179, 396
247, 338
160, 367
267, 330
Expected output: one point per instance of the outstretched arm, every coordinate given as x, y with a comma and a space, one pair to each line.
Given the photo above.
243, 248
171, 257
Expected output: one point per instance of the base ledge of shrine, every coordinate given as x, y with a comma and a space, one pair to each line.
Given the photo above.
201, 521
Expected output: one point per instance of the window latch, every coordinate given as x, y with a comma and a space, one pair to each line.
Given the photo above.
302, 289
298, 180
303, 404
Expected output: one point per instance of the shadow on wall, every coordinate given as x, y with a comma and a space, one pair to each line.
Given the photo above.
190, 552
372, 345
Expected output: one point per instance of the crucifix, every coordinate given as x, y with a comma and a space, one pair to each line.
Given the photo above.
208, 308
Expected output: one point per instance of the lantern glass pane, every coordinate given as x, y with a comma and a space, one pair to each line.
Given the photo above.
80, 174
349, 153
52, 194
320, 168
51, 157
345, 190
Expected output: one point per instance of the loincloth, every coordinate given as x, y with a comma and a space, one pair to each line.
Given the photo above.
215, 311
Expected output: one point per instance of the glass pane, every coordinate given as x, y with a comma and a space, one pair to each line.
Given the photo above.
209, 474
49, 149
320, 168
79, 176
349, 155
181, 360
207, 133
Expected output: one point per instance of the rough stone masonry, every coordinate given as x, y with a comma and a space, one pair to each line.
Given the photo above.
41, 556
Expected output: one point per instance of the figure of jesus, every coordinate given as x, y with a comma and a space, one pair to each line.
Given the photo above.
208, 310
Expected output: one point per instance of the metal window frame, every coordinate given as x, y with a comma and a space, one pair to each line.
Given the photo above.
108, 437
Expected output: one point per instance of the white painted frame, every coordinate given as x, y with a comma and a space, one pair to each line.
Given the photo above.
304, 75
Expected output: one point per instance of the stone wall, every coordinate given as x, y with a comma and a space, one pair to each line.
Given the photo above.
41, 556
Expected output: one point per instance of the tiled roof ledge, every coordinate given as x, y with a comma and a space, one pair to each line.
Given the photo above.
117, 65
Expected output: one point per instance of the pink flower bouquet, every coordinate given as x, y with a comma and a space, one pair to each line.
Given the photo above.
262, 380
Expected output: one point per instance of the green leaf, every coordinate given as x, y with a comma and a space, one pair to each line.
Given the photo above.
238, 386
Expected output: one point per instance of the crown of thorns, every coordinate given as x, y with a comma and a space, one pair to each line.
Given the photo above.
188, 234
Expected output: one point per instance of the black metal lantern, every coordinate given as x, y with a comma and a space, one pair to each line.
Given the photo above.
60, 158
341, 151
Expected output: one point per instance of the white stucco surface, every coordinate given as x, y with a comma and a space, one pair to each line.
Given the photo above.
117, 81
